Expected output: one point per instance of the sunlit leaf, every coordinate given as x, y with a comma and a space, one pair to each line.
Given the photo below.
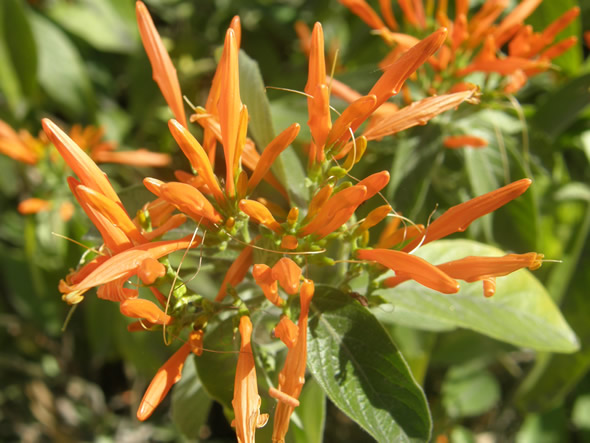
521, 312
354, 360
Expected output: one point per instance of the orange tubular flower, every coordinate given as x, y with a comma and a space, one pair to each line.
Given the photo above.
459, 217
230, 106
414, 267
139, 157
150, 270
33, 206
270, 154
190, 201
139, 308
236, 272
318, 103
485, 269
292, 377
336, 211
460, 141
164, 73
288, 274
263, 277
165, 378
12, 145
90, 175
260, 213
286, 331
246, 400
124, 264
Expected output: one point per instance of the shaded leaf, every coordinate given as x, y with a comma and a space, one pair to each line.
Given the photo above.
312, 414
468, 391
98, 22
367, 379
190, 402
521, 312
62, 73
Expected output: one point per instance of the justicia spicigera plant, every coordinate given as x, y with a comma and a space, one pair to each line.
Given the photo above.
282, 252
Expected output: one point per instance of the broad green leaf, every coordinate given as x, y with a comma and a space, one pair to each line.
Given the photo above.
521, 312
18, 70
98, 22
287, 167
469, 390
312, 414
190, 402
253, 94
354, 360
217, 370
62, 73
559, 109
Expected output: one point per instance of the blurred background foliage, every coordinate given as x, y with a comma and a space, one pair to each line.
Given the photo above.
81, 61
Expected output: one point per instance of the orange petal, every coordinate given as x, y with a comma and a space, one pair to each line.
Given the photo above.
33, 206
374, 183
138, 157
260, 214
415, 267
460, 141
396, 74
336, 211
164, 73
112, 291
286, 331
292, 376
271, 152
112, 211
150, 270
89, 174
127, 263
459, 217
263, 277
517, 16
288, 273
374, 217
190, 201
197, 157
140, 308
229, 105
165, 378
236, 272
246, 401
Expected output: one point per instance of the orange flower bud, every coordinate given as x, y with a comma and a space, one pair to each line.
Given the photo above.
286, 331
289, 242
33, 206
140, 308
259, 213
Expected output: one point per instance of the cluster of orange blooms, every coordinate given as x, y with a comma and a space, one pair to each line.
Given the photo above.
226, 211
475, 42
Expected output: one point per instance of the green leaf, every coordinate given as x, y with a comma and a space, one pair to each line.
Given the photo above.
253, 94
521, 312
354, 360
312, 414
18, 70
62, 73
98, 22
217, 370
581, 412
550, 427
469, 390
559, 109
287, 167
190, 402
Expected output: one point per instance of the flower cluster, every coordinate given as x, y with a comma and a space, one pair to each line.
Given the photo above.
277, 245
33, 151
475, 42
